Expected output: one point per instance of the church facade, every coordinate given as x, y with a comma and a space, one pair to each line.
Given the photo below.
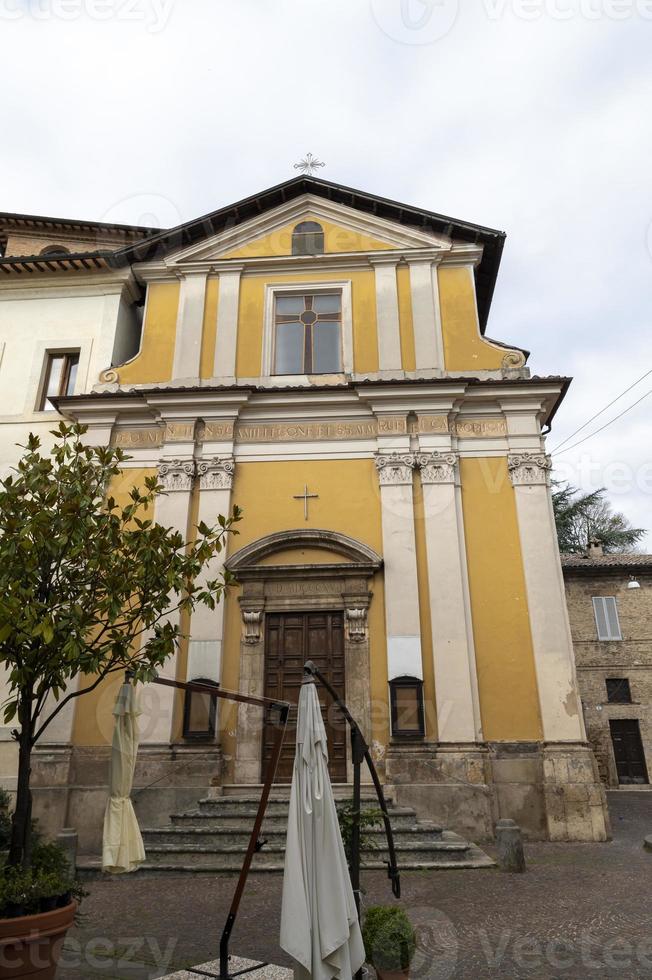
317, 356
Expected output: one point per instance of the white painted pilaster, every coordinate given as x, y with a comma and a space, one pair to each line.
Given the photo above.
207, 625
227, 322
399, 553
172, 510
452, 634
426, 316
551, 638
190, 325
387, 317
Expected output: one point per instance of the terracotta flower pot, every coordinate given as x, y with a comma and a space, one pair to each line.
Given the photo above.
30, 947
393, 974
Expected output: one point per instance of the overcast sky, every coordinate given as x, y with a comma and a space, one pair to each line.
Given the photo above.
532, 116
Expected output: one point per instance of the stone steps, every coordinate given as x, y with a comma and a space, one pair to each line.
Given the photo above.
213, 838
402, 819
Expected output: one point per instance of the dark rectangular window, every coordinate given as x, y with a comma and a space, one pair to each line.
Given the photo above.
618, 691
59, 378
406, 695
200, 712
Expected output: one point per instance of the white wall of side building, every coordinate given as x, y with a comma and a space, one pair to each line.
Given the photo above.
100, 320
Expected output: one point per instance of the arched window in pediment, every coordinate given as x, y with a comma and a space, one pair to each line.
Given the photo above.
308, 239
55, 250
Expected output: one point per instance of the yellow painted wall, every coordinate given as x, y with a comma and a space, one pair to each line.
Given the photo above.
156, 355
251, 313
93, 722
430, 703
302, 556
507, 684
464, 347
209, 331
336, 239
348, 502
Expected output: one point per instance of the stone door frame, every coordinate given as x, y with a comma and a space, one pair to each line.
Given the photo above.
337, 586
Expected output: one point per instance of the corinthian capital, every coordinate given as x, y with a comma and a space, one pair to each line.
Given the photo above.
216, 473
437, 467
176, 474
529, 469
395, 469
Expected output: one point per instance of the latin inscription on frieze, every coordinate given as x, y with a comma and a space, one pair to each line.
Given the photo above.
215, 431
392, 425
137, 438
429, 423
305, 431
480, 428
180, 432
303, 588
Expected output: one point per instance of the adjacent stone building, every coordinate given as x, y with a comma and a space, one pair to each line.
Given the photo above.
610, 608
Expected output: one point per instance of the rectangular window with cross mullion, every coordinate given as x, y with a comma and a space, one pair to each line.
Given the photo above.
59, 377
308, 334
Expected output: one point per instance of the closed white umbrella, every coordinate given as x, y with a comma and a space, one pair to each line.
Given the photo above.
122, 843
319, 920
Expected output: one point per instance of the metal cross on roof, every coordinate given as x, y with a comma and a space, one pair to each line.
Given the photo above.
309, 165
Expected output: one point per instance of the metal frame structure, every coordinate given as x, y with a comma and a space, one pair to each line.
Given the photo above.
360, 753
279, 714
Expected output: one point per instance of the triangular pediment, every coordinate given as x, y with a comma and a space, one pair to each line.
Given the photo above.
346, 231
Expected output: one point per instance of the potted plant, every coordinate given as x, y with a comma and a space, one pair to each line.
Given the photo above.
87, 587
368, 820
389, 941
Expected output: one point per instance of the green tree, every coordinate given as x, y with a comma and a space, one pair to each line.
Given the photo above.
582, 516
86, 588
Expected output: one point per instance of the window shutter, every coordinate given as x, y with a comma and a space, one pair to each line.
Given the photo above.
611, 610
606, 617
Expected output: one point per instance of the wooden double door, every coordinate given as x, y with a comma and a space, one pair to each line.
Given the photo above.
291, 638
628, 751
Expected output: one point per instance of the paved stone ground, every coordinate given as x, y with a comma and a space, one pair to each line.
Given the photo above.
581, 911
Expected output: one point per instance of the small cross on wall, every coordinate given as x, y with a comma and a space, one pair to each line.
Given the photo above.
305, 496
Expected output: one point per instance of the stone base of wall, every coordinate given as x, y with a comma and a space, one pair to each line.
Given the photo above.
70, 786
552, 791
576, 802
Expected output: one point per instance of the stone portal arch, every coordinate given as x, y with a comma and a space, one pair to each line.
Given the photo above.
341, 582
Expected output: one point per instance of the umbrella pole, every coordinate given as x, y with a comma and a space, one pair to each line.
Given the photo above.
392, 866
283, 709
357, 754
255, 843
